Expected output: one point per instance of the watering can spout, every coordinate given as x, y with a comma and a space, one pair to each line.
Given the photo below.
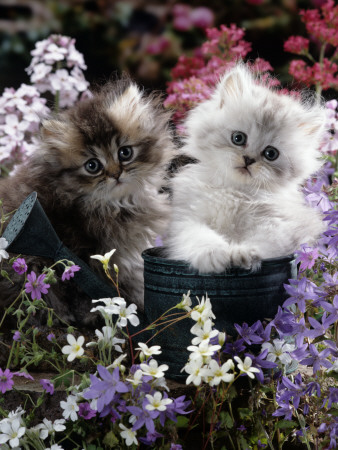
30, 232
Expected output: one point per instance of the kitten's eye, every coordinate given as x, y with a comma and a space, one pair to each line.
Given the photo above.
239, 138
125, 153
270, 153
93, 166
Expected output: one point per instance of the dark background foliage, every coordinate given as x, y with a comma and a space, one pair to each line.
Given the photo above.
115, 35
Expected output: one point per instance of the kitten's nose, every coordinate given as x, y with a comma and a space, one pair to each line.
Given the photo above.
248, 160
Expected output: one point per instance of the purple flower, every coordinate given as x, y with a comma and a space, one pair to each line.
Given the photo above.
104, 390
249, 333
50, 337
6, 382
47, 385
261, 363
319, 329
17, 336
284, 410
178, 406
317, 359
234, 348
332, 398
36, 286
292, 390
143, 417
284, 322
20, 266
69, 272
85, 411
151, 438
24, 374
307, 257
300, 291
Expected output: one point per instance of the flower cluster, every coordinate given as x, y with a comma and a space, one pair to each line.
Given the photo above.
194, 78
58, 67
323, 31
185, 17
21, 112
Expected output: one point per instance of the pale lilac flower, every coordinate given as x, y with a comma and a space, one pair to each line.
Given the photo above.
50, 337
36, 285
278, 350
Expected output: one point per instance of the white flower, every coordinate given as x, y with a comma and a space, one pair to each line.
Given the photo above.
221, 338
279, 350
202, 311
48, 428
185, 302
218, 374
104, 259
17, 414
148, 351
55, 447
117, 363
245, 367
157, 402
125, 313
203, 333
12, 431
137, 378
204, 350
3, 245
334, 367
152, 368
194, 369
107, 338
70, 408
128, 435
74, 349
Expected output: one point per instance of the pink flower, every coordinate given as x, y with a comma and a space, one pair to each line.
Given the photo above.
158, 46
36, 286
202, 17
297, 44
20, 266
85, 411
17, 336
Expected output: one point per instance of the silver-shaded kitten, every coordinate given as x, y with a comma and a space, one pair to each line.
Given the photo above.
242, 202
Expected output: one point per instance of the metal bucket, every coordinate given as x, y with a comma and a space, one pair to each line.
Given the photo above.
237, 296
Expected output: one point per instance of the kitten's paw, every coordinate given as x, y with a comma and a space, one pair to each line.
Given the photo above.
212, 260
245, 257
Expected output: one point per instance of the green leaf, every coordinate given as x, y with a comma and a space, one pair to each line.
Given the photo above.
226, 420
284, 424
245, 413
182, 422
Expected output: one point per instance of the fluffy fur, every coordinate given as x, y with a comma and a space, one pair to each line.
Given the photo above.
236, 207
95, 194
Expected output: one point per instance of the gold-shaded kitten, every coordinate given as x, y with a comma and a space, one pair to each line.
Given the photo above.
98, 173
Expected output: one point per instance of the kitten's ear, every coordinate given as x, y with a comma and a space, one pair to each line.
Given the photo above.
57, 132
233, 83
